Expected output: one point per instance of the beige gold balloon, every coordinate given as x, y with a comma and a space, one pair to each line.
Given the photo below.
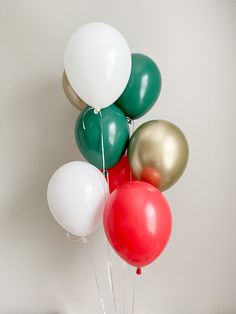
74, 99
158, 153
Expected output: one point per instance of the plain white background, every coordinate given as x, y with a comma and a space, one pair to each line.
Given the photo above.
193, 42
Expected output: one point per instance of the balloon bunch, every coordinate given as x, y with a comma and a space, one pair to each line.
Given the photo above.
113, 87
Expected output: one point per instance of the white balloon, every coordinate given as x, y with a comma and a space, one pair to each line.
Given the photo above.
76, 194
98, 64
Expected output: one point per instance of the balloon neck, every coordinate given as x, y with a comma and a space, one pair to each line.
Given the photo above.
139, 271
84, 240
96, 110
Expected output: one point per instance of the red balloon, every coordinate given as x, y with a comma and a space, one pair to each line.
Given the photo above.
137, 222
119, 174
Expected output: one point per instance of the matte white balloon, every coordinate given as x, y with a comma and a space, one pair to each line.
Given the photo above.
98, 64
76, 194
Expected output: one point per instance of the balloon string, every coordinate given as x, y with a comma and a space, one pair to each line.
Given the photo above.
85, 241
124, 286
96, 278
133, 297
102, 144
132, 132
84, 114
105, 173
104, 170
109, 266
110, 277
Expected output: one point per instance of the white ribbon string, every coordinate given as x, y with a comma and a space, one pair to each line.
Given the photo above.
109, 266
96, 279
132, 132
124, 270
110, 278
102, 144
84, 114
133, 293
85, 241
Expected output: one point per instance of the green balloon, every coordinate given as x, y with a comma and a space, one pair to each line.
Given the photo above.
90, 125
143, 88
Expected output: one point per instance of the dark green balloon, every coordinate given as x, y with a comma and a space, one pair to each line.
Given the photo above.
143, 88
115, 135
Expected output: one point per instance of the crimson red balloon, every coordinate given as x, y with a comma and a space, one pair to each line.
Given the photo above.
137, 222
119, 174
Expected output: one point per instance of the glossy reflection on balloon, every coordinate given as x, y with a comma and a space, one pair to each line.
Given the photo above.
98, 64
137, 222
158, 153
107, 129
143, 88
76, 195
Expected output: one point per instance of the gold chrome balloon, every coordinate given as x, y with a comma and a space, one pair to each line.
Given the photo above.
71, 95
158, 153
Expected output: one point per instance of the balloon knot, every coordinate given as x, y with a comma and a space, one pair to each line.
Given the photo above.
129, 120
97, 110
139, 271
84, 240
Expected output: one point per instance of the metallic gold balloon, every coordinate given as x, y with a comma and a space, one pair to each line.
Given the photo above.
71, 95
158, 153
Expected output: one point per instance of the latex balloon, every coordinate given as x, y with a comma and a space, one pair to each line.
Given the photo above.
107, 129
158, 153
76, 194
137, 222
143, 88
71, 94
119, 174
98, 64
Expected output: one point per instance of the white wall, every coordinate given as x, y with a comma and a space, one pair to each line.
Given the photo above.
194, 44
